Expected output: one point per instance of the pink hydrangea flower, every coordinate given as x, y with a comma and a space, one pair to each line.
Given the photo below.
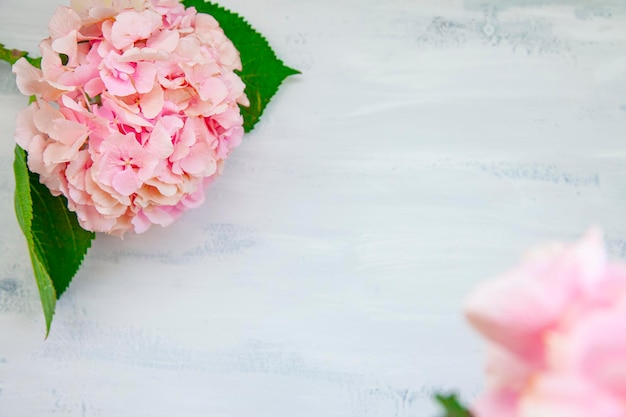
556, 328
137, 107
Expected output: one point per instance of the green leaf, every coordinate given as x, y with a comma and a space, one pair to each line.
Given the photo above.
452, 406
12, 55
262, 71
56, 242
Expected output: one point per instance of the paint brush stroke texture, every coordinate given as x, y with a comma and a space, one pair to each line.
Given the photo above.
425, 145
584, 9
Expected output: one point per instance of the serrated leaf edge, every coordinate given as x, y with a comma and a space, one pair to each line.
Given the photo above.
24, 212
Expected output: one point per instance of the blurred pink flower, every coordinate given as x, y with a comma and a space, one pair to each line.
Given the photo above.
556, 329
136, 110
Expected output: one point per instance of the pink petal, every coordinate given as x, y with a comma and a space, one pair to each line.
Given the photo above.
151, 103
63, 21
51, 64
30, 81
126, 181
84, 74
116, 85
166, 40
212, 89
505, 370
67, 45
497, 403
126, 113
597, 349
90, 219
194, 199
566, 395
68, 132
199, 162
25, 129
141, 223
56, 153
131, 26
104, 197
231, 118
514, 312
160, 142
162, 215
163, 189
187, 138
172, 124
144, 77
94, 87
51, 121
35, 155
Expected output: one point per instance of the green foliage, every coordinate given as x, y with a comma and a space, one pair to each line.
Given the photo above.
262, 71
451, 405
12, 55
56, 242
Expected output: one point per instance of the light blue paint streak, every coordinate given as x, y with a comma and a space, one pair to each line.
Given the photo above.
582, 8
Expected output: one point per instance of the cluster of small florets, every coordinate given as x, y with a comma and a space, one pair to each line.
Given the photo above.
135, 110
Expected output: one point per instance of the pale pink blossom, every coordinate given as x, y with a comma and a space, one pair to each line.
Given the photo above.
556, 329
136, 110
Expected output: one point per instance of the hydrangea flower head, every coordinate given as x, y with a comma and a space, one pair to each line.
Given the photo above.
136, 108
556, 328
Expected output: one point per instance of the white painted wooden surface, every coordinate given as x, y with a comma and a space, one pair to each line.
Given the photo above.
425, 146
